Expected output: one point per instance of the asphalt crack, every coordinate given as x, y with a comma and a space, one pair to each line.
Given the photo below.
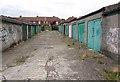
52, 74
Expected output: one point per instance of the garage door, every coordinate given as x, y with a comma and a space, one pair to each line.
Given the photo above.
74, 31
66, 30
24, 32
94, 34
81, 27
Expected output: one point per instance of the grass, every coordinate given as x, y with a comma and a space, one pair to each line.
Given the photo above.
18, 61
34, 49
109, 75
100, 62
21, 59
72, 44
88, 54
9, 65
49, 59
68, 41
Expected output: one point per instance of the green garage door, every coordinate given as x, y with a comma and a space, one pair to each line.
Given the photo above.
81, 27
33, 30
29, 31
94, 34
38, 28
62, 28
24, 32
74, 31
97, 34
66, 30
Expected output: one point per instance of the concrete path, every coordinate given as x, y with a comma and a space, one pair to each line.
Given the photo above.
48, 57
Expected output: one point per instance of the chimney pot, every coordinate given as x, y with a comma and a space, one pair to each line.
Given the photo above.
20, 16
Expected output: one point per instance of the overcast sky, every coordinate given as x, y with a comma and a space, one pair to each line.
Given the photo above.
59, 8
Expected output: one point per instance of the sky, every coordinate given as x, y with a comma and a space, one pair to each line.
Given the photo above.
58, 8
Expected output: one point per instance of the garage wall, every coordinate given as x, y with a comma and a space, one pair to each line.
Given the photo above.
10, 34
110, 30
119, 34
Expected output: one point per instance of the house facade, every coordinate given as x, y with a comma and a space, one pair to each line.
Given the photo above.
45, 22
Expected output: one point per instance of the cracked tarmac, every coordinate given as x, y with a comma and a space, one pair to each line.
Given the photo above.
50, 59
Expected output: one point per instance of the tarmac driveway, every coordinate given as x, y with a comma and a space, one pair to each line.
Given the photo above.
47, 57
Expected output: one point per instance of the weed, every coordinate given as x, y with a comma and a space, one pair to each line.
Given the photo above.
109, 75
21, 59
88, 54
49, 59
35, 49
100, 62
9, 65
17, 61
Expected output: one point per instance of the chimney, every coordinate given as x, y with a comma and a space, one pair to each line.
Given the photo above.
20, 16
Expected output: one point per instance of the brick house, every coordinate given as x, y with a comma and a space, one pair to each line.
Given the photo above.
45, 22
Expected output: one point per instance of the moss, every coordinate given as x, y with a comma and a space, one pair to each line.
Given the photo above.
109, 75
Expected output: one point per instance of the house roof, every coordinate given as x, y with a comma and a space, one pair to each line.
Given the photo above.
10, 19
41, 18
112, 8
70, 19
73, 19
